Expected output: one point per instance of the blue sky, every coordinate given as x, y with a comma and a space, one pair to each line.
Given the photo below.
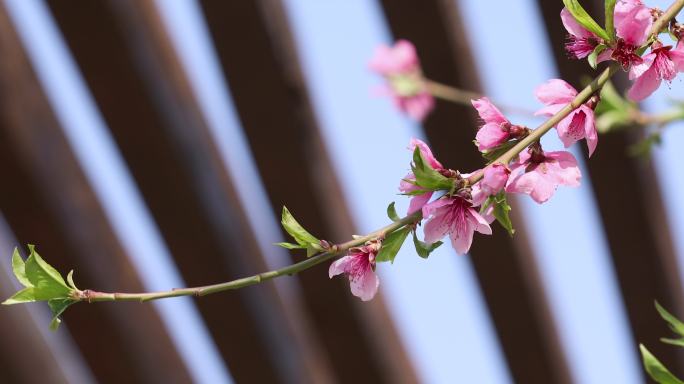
436, 305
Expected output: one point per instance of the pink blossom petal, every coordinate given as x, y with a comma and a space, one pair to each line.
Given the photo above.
632, 21
418, 201
417, 106
494, 179
437, 227
426, 152
571, 127
639, 69
572, 26
461, 241
590, 133
340, 266
555, 91
644, 85
531, 183
605, 55
401, 58
677, 57
488, 112
564, 169
480, 224
550, 110
365, 286
490, 136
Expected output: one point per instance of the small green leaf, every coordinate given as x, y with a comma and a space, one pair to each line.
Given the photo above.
426, 176
610, 27
289, 245
313, 249
26, 295
493, 154
392, 212
424, 249
48, 283
19, 268
675, 325
582, 17
70, 279
58, 306
500, 210
593, 57
299, 234
391, 245
656, 369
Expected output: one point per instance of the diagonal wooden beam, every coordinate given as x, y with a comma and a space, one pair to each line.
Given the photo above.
505, 267
259, 59
632, 211
50, 203
146, 100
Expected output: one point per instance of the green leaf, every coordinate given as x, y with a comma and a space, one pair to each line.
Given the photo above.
656, 369
424, 249
583, 18
289, 245
675, 324
58, 306
426, 176
19, 268
594, 55
501, 210
299, 234
70, 279
391, 245
610, 26
26, 295
392, 212
47, 282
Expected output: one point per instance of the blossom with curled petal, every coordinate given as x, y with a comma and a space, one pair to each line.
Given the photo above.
406, 185
579, 124
539, 173
662, 63
400, 65
581, 42
454, 216
496, 128
359, 266
633, 21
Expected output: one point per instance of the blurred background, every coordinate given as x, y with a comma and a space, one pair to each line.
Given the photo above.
151, 145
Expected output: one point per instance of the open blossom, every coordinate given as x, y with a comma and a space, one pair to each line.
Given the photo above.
662, 63
494, 178
496, 128
579, 124
581, 42
418, 201
456, 217
359, 266
400, 65
539, 173
633, 21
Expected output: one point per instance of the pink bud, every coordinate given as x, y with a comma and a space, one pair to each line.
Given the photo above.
494, 179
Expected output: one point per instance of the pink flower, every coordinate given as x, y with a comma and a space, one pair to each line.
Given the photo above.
496, 128
359, 266
405, 186
662, 63
579, 124
581, 42
494, 178
540, 174
453, 216
400, 66
633, 22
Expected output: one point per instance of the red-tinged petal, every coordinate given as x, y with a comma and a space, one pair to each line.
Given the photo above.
572, 26
590, 133
644, 85
488, 112
555, 91
571, 127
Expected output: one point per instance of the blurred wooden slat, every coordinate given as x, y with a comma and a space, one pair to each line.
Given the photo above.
632, 211
48, 201
259, 59
145, 98
505, 267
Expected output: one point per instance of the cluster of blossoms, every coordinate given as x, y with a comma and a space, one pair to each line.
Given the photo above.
458, 205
